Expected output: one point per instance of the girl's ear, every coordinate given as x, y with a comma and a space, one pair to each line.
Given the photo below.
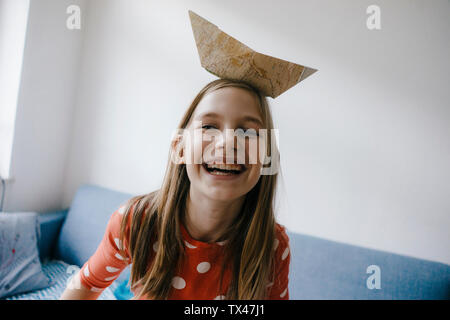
177, 150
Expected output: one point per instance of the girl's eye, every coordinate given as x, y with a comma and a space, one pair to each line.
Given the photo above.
250, 132
254, 133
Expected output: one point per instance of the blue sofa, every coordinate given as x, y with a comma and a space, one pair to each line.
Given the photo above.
320, 269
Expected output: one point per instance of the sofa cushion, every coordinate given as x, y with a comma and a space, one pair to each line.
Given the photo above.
50, 224
60, 272
323, 269
20, 267
86, 221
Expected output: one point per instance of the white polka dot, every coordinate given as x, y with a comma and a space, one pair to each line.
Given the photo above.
189, 245
283, 293
94, 289
122, 210
118, 243
203, 267
110, 278
275, 244
86, 271
155, 246
219, 297
285, 253
111, 269
222, 243
118, 256
178, 283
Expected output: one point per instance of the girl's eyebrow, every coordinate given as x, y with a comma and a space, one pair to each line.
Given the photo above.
208, 114
252, 119
244, 119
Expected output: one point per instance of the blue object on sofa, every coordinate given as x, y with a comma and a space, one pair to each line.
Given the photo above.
57, 271
50, 225
20, 267
320, 269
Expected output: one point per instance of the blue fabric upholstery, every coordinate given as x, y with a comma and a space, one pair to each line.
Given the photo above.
86, 221
58, 272
320, 269
323, 269
20, 267
50, 224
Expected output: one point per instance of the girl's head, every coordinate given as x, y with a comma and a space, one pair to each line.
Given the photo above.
220, 106
222, 126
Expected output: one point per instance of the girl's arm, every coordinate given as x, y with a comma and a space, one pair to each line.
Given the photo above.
76, 291
103, 267
280, 290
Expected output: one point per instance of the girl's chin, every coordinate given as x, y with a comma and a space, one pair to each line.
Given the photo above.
222, 193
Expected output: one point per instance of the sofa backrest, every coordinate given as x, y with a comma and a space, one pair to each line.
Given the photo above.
323, 269
50, 225
85, 223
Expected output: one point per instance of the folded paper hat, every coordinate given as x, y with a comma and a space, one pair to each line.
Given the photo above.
227, 58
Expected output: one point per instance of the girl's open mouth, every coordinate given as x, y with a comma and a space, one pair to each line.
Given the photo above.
224, 169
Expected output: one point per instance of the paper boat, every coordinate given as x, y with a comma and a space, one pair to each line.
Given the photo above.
226, 57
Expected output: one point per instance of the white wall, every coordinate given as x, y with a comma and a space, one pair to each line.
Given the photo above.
13, 25
364, 142
44, 108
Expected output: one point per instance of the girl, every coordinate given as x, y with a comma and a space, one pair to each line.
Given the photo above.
209, 232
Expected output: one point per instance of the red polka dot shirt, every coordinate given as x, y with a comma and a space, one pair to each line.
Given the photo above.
200, 269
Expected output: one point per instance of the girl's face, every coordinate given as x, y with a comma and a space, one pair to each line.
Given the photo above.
218, 112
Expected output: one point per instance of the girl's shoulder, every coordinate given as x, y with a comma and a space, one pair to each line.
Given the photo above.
128, 208
115, 221
113, 230
281, 243
125, 209
281, 235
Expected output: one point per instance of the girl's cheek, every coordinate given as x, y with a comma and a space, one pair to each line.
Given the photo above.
254, 150
207, 150
251, 152
198, 152
193, 149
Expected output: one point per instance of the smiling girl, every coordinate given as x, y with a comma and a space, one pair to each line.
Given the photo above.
209, 232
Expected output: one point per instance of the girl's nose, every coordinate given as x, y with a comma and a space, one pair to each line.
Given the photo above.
228, 142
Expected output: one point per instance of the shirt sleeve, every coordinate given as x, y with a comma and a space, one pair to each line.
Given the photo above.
279, 288
106, 264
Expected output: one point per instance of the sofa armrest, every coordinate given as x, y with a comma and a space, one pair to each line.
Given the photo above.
50, 224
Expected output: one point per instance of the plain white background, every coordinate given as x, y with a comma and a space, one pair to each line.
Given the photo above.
13, 25
364, 142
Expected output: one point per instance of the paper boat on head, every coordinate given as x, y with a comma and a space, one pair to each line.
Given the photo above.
228, 58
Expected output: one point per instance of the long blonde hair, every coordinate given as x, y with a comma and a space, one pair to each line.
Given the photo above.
157, 217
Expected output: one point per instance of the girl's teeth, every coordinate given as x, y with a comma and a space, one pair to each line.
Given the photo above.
225, 167
218, 173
